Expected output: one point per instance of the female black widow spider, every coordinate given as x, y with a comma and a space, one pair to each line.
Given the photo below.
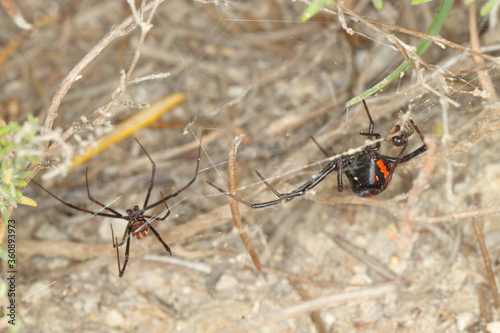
138, 224
369, 173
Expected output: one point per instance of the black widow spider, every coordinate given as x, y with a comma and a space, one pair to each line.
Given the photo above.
138, 224
369, 173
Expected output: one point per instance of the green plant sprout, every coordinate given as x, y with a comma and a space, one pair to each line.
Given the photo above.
418, 2
436, 25
314, 8
379, 4
485, 9
17, 150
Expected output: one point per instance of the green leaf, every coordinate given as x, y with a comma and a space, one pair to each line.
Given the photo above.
5, 213
22, 175
418, 2
19, 182
314, 8
379, 4
488, 6
436, 25
8, 127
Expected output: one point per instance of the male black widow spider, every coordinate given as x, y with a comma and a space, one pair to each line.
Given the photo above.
369, 173
138, 224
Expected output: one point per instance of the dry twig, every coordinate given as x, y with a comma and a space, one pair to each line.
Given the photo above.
235, 212
487, 261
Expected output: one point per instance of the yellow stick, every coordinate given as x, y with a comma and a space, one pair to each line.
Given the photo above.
131, 125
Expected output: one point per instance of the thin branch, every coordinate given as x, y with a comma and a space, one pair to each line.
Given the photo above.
459, 216
235, 212
15, 14
486, 260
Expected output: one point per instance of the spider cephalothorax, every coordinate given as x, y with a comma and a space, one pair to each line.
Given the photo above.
139, 226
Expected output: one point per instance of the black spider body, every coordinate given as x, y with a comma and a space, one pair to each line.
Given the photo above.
369, 172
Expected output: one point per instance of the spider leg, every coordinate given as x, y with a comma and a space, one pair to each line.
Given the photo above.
166, 215
249, 204
94, 200
160, 240
182, 189
414, 153
279, 195
125, 261
116, 245
156, 218
117, 216
398, 160
376, 135
370, 133
372, 124
418, 151
126, 235
153, 171
323, 150
340, 184
312, 182
374, 147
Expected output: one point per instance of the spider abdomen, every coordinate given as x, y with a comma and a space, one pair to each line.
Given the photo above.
139, 229
369, 175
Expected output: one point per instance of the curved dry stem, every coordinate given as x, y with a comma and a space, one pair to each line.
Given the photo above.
235, 212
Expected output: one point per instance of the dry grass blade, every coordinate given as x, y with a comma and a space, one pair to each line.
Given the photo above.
487, 262
315, 315
235, 212
459, 216
368, 260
